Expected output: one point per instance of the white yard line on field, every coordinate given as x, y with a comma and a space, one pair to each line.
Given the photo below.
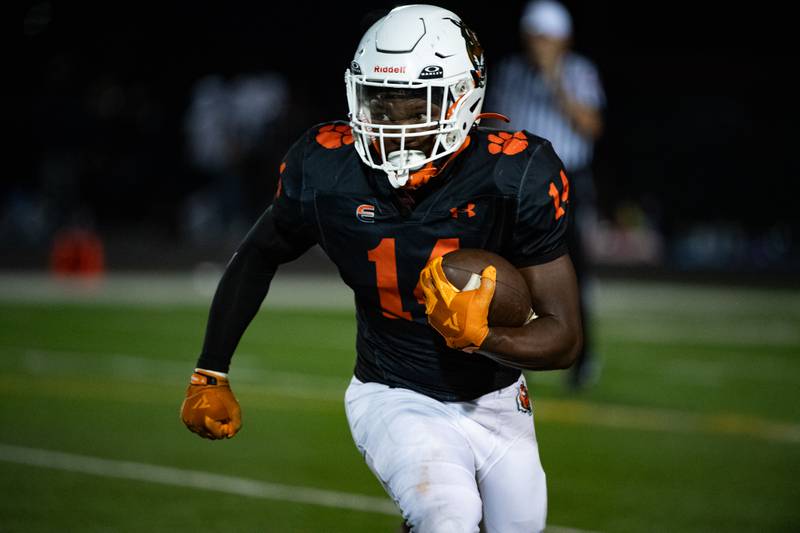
195, 479
136, 367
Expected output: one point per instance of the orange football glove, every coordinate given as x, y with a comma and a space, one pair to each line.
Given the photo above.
460, 316
210, 408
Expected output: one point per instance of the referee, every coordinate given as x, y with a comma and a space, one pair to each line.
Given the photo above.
556, 93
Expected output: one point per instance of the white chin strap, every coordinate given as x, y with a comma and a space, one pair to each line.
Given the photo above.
398, 176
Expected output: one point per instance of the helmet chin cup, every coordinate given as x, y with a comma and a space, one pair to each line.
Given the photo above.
411, 159
397, 178
401, 163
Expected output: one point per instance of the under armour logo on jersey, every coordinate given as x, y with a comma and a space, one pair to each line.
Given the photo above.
201, 403
469, 211
366, 213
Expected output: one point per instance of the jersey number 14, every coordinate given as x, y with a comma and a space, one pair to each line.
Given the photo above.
385, 261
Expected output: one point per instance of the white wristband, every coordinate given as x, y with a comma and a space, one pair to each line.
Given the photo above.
212, 372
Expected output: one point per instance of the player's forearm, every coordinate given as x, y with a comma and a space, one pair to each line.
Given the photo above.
546, 343
239, 295
245, 285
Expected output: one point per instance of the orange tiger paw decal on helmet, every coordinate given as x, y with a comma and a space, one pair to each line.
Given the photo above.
507, 143
334, 136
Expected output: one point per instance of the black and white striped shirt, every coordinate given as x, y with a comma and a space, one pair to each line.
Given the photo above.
518, 90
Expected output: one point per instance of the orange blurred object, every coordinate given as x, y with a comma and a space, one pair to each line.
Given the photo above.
77, 252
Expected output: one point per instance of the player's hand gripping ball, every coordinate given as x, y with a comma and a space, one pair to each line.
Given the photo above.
467, 291
210, 408
461, 316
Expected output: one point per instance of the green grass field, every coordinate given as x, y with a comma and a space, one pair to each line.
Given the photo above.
693, 426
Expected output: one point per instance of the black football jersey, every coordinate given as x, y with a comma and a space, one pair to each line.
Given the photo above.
505, 192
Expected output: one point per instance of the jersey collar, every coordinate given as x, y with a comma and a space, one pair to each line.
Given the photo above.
422, 176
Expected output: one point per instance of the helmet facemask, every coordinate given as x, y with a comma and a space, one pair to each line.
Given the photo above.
399, 127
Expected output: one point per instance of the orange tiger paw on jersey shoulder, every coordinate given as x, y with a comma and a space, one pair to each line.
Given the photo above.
507, 143
334, 136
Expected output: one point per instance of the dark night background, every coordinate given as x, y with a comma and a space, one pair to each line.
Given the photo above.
699, 143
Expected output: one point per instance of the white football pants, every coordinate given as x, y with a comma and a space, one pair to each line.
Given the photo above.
452, 466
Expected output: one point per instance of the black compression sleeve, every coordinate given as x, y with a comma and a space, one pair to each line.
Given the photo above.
243, 287
239, 295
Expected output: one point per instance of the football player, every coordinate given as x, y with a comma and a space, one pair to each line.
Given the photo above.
438, 405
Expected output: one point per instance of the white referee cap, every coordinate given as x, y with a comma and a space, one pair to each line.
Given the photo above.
547, 17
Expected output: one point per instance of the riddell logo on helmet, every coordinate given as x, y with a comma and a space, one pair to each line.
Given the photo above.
390, 70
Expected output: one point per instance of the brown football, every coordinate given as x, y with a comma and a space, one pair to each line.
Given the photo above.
511, 304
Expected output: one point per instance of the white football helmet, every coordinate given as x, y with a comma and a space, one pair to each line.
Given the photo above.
424, 54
